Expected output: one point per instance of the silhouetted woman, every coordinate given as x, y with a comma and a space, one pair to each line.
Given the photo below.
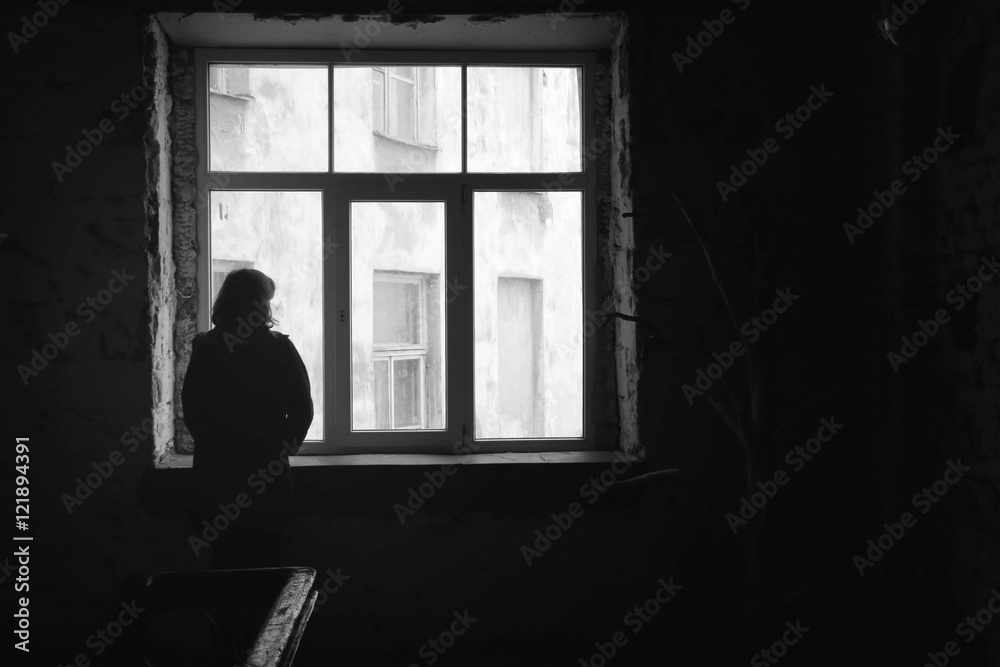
247, 404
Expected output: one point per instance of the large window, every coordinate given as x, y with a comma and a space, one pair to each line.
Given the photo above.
429, 221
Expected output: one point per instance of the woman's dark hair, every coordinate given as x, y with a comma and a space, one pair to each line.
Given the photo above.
244, 292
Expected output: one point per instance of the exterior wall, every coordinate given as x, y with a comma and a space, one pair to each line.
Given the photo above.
534, 236
439, 125
282, 128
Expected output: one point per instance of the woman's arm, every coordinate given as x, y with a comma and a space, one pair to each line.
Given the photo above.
300, 404
196, 417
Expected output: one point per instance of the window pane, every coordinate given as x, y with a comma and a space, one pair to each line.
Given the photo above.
528, 289
215, 79
280, 234
407, 392
416, 129
383, 406
401, 110
524, 119
397, 312
266, 118
519, 347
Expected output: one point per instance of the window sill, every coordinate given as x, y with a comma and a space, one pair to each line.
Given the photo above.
405, 142
604, 456
238, 97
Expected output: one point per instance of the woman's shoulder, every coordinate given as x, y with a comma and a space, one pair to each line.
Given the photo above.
284, 342
216, 336
206, 338
281, 340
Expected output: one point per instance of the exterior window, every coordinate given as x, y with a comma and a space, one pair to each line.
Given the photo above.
394, 102
230, 81
429, 222
400, 350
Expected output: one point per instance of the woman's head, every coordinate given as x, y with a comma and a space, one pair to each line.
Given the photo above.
245, 294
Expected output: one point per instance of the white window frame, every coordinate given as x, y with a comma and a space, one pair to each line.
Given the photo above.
418, 350
456, 190
224, 87
391, 359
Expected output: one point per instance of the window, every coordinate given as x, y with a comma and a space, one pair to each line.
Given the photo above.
407, 316
394, 102
400, 352
429, 219
229, 81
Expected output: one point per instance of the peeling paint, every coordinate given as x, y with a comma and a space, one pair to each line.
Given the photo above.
292, 18
492, 18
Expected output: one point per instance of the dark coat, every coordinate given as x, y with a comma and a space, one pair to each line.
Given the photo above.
247, 405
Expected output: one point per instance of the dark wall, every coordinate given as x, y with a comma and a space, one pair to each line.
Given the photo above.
783, 229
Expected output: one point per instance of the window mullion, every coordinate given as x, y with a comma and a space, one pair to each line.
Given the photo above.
460, 292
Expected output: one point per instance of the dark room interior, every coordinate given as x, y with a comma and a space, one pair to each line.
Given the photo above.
751, 425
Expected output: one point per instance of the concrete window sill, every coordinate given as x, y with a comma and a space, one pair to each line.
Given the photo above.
185, 460
405, 142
